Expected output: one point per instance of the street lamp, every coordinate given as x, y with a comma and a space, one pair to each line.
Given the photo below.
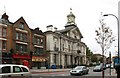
118, 31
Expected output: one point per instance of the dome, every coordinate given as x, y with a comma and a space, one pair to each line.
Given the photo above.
71, 15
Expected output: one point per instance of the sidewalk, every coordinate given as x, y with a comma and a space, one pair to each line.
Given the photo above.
48, 70
113, 73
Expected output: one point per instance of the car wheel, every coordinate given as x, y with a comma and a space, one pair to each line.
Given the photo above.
81, 73
86, 72
71, 74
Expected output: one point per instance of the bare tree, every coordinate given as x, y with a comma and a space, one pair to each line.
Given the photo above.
105, 38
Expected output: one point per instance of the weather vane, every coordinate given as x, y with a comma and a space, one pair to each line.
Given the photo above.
70, 9
4, 9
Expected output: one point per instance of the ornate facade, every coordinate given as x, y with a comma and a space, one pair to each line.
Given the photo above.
64, 46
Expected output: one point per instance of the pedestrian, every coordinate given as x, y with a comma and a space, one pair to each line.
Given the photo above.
117, 68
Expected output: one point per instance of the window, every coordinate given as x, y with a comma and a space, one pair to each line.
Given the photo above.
16, 69
68, 47
38, 42
4, 32
55, 58
21, 26
41, 40
21, 47
21, 36
63, 47
35, 40
24, 69
17, 35
55, 44
38, 51
3, 44
25, 37
6, 69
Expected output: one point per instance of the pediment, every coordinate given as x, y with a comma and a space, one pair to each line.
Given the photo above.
19, 22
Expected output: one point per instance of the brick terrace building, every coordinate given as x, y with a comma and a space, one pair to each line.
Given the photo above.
18, 42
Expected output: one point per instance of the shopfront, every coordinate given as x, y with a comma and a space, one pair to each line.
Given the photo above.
39, 62
23, 59
6, 58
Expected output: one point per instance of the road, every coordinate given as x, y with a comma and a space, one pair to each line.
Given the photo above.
66, 74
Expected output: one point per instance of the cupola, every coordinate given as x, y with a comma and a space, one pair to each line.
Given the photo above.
70, 18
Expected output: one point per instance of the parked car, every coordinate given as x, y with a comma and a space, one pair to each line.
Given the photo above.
14, 71
79, 70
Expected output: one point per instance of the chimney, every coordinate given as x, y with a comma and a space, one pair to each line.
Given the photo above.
49, 27
4, 16
37, 29
55, 28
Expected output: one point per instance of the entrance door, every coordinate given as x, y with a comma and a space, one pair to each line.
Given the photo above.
26, 63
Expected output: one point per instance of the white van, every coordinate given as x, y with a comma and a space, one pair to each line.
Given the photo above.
14, 71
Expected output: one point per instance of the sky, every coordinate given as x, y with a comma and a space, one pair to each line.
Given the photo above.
41, 13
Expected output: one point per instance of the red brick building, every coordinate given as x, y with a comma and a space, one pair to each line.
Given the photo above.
20, 44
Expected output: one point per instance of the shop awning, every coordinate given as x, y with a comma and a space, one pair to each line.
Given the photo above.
38, 59
21, 56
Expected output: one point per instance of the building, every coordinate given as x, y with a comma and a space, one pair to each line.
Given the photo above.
21, 45
65, 47
5, 42
38, 48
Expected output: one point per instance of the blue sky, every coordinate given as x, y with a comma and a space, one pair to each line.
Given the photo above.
41, 13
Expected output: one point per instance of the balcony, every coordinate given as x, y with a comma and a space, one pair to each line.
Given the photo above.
56, 49
78, 51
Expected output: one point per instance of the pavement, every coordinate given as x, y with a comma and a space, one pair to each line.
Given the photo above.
113, 72
48, 70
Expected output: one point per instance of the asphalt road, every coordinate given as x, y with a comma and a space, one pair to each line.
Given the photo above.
66, 74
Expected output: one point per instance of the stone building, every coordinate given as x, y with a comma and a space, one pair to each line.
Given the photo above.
65, 47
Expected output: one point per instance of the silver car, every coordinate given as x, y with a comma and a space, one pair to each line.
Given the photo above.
79, 70
14, 71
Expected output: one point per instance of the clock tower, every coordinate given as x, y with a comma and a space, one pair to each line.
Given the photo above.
70, 18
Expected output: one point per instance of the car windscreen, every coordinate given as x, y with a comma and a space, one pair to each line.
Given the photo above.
78, 68
98, 67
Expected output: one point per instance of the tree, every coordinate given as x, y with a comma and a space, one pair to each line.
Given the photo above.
88, 53
105, 38
94, 58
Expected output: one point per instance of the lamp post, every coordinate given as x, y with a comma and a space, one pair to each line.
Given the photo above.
118, 31
110, 62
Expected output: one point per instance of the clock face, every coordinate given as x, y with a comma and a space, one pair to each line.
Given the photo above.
69, 19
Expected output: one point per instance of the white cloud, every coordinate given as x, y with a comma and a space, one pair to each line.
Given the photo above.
40, 13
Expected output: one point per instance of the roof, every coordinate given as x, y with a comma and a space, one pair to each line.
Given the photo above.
1, 65
66, 29
69, 28
37, 31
